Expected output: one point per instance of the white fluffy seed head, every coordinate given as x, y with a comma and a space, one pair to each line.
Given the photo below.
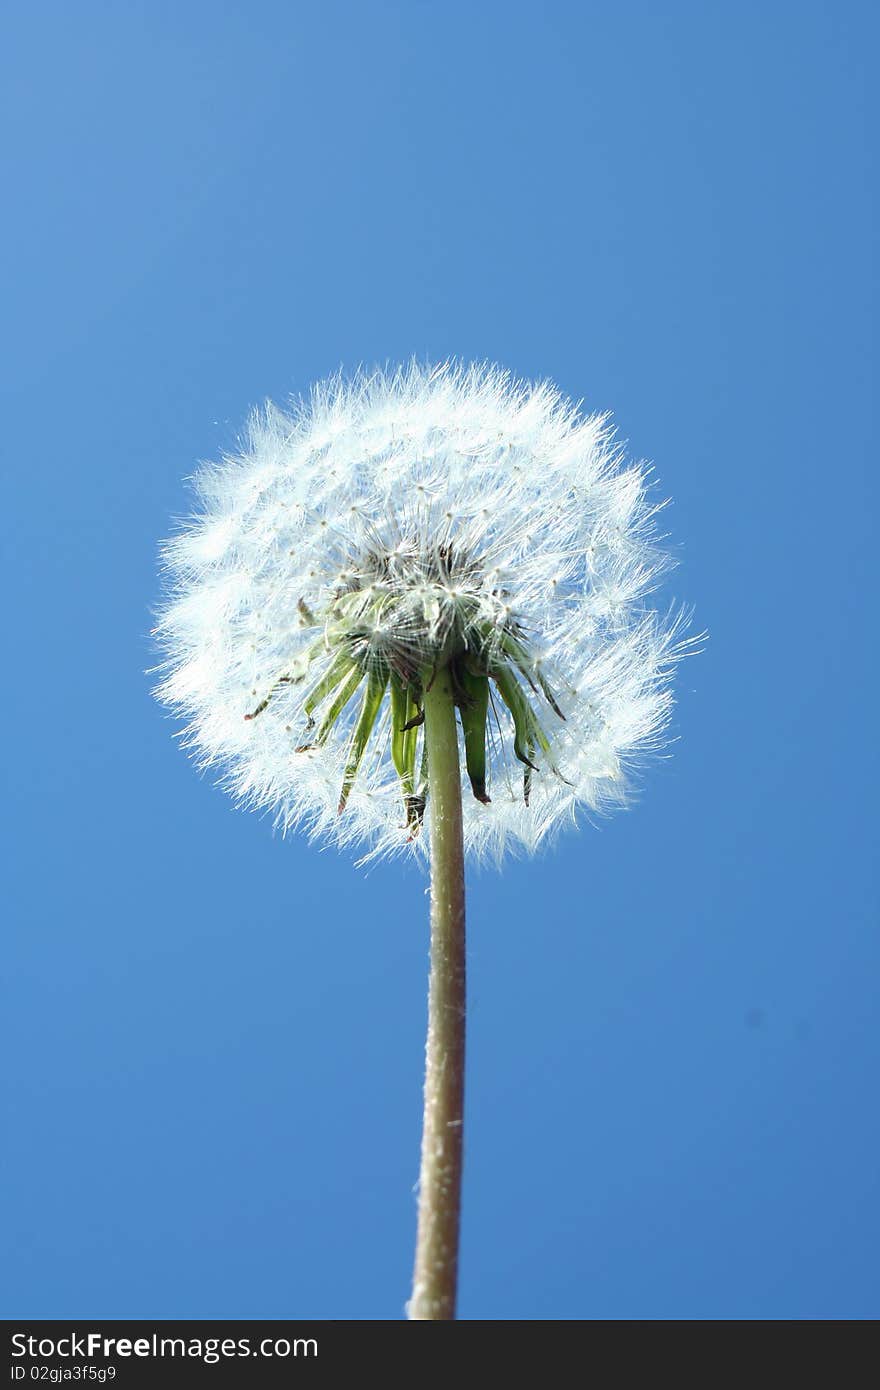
392, 523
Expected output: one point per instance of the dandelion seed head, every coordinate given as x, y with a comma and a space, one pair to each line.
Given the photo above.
394, 524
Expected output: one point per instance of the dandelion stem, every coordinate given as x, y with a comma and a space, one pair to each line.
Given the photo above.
436, 1266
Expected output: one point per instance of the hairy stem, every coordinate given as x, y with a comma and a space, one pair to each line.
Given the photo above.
436, 1267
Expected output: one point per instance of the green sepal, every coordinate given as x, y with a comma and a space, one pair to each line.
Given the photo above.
415, 804
473, 706
411, 732
377, 680
344, 694
399, 705
404, 746
526, 730
518, 654
528, 733
340, 667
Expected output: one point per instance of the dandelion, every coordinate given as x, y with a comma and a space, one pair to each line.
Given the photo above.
407, 573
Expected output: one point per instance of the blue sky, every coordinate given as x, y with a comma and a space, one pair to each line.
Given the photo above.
214, 1037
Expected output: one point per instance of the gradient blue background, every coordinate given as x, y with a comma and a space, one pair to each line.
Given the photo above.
214, 1037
